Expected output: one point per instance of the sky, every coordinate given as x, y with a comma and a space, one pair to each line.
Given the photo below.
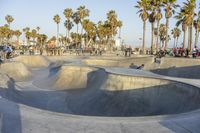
33, 13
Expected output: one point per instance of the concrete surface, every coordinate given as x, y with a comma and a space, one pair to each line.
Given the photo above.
65, 95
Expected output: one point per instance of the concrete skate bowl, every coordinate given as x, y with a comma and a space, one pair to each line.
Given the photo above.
33, 61
179, 67
120, 61
95, 92
16, 70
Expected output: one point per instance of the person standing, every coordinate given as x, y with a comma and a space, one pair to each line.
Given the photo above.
9, 52
194, 52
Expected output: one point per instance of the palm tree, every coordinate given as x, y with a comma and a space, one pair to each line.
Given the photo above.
34, 35
76, 20
90, 29
162, 34
25, 30
197, 28
176, 34
120, 24
42, 38
82, 13
170, 6
158, 17
68, 15
143, 6
28, 37
186, 17
101, 32
112, 19
184, 21
57, 19
38, 29
69, 25
152, 21
9, 19
18, 34
6, 33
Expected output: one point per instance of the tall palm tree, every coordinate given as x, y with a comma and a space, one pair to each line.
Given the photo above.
158, 17
186, 15
162, 34
170, 6
143, 6
152, 18
6, 33
112, 19
68, 15
28, 37
42, 39
76, 20
90, 29
25, 30
82, 13
176, 34
9, 19
18, 33
184, 22
197, 28
38, 29
57, 19
34, 35
69, 25
120, 24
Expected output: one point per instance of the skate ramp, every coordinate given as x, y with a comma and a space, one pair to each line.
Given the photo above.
100, 93
178, 67
4, 80
66, 77
120, 61
33, 61
16, 70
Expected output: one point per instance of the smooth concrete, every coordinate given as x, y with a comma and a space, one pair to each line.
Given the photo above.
178, 67
107, 100
17, 70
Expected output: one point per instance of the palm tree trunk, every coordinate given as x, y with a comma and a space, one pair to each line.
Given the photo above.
167, 38
189, 46
68, 32
177, 41
196, 38
158, 32
184, 39
112, 38
76, 33
144, 38
174, 42
77, 29
152, 38
57, 34
191, 30
82, 34
119, 32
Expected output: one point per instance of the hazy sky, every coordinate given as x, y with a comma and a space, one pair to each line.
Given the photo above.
33, 13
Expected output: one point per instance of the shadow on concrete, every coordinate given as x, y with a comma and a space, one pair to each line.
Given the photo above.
172, 98
10, 112
191, 72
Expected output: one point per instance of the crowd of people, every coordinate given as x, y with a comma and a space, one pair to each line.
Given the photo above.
180, 52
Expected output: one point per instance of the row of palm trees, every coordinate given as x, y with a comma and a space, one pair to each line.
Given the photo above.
6, 33
102, 32
187, 18
37, 38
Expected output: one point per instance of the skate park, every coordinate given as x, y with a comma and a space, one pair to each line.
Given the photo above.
99, 94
